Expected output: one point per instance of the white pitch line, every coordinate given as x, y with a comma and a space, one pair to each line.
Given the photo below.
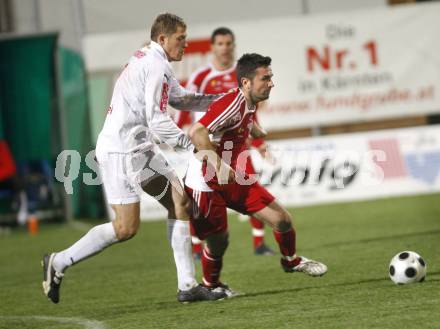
87, 324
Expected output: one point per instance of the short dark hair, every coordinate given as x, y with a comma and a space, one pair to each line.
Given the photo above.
166, 23
248, 64
222, 31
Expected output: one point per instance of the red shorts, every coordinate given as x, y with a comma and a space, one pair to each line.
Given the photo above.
209, 208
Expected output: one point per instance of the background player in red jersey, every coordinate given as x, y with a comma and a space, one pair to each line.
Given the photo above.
216, 179
219, 77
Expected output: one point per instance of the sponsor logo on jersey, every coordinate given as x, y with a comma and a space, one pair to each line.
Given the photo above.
231, 121
139, 54
164, 98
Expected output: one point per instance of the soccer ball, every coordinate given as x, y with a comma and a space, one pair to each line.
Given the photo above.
407, 267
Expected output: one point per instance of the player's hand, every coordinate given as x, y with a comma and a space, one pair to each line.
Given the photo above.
225, 174
264, 151
257, 131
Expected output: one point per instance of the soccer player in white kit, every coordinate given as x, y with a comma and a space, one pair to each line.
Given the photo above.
130, 161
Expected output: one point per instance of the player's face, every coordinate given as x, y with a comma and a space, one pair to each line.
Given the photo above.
261, 84
174, 44
223, 49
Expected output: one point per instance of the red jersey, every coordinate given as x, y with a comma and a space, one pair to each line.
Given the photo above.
206, 80
229, 121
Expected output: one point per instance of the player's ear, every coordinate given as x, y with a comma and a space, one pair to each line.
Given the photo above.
161, 39
246, 83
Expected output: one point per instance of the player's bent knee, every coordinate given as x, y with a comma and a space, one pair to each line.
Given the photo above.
125, 232
284, 222
224, 243
217, 244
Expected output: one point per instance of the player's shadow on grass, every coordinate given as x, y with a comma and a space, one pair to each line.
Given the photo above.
376, 239
432, 276
149, 305
282, 291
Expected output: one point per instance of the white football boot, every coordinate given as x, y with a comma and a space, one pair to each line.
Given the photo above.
310, 267
307, 266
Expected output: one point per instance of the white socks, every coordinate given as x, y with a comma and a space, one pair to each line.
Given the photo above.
102, 236
180, 239
95, 240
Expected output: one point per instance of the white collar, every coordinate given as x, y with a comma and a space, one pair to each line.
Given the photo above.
229, 70
154, 45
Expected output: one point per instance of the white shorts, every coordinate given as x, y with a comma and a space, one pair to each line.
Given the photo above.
124, 174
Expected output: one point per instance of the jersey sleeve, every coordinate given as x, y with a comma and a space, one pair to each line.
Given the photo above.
156, 99
182, 99
177, 91
220, 113
184, 117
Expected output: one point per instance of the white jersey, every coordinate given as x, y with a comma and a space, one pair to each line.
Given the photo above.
138, 109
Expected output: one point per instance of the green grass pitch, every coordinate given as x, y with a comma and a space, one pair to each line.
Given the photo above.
133, 285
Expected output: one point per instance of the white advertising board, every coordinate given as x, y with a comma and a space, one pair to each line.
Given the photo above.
343, 168
329, 68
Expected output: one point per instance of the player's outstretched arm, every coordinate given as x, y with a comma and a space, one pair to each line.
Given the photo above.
193, 102
182, 99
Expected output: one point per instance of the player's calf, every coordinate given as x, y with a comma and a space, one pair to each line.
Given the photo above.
127, 221
212, 267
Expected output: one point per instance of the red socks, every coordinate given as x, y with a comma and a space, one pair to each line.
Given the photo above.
287, 244
257, 231
211, 269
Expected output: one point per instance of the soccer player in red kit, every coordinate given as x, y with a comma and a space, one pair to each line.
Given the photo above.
216, 177
219, 77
